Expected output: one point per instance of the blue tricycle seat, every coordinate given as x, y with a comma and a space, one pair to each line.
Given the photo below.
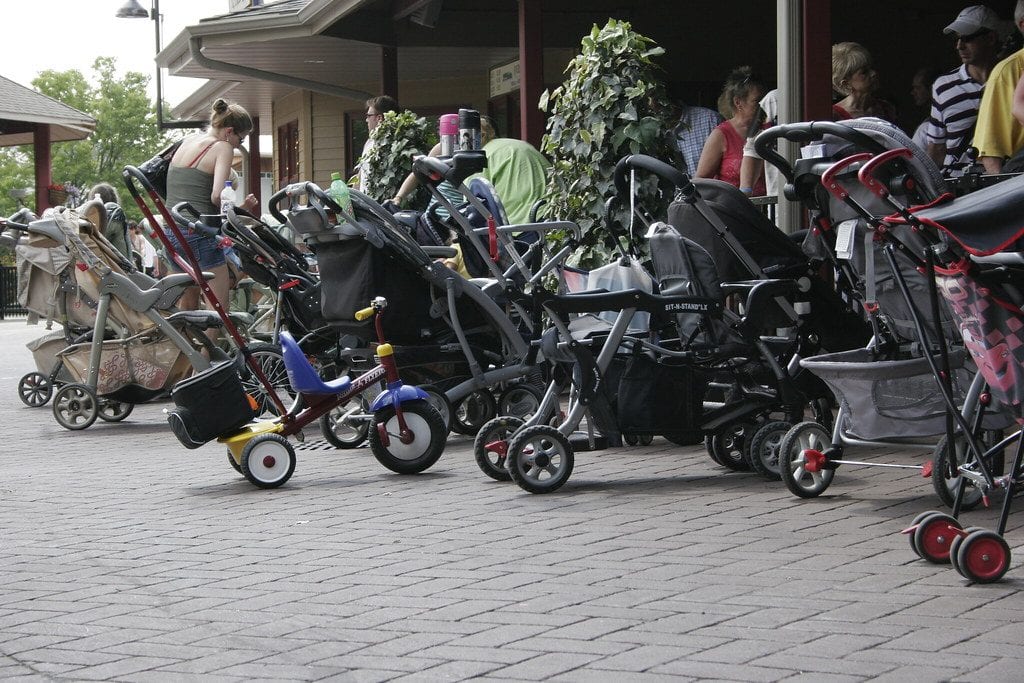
302, 376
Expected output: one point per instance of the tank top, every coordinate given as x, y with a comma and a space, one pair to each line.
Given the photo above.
732, 159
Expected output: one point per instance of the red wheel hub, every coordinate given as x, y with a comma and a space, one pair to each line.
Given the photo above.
500, 447
814, 460
269, 461
986, 559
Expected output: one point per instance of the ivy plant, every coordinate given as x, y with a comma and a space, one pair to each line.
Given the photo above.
611, 104
396, 139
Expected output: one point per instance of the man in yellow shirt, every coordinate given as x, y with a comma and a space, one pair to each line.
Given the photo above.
997, 134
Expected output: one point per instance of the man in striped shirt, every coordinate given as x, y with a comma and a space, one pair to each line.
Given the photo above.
956, 95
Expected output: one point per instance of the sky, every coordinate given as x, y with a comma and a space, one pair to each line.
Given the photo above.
71, 34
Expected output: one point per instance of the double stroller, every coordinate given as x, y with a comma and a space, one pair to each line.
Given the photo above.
699, 371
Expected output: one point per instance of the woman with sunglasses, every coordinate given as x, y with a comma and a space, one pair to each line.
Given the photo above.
722, 155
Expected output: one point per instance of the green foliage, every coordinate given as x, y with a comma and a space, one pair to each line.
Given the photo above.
396, 139
126, 133
610, 105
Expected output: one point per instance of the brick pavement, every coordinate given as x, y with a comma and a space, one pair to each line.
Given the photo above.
125, 557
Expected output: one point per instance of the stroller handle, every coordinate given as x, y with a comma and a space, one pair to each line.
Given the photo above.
805, 132
308, 188
669, 177
197, 225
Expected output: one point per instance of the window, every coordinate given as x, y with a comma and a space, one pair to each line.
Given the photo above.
288, 153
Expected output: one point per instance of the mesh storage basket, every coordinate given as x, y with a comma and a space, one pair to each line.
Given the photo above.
888, 399
145, 360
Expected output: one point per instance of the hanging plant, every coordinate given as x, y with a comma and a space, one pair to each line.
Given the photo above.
610, 105
397, 138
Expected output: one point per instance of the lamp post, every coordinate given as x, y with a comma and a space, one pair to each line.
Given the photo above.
133, 10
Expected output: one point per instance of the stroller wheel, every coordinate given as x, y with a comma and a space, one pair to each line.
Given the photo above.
440, 401
271, 362
473, 411
934, 536
800, 460
764, 449
983, 556
423, 445
945, 487
35, 389
347, 426
727, 446
114, 411
75, 406
268, 460
490, 447
234, 463
520, 400
540, 459
954, 547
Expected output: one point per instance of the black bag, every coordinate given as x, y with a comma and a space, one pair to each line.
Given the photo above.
209, 404
655, 398
155, 169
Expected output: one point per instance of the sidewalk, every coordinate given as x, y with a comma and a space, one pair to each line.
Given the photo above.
126, 557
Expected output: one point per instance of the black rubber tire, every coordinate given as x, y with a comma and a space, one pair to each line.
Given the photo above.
470, 414
520, 400
728, 446
347, 432
440, 401
114, 411
933, 537
35, 389
983, 556
945, 488
75, 406
261, 460
271, 361
491, 462
428, 441
764, 450
234, 465
536, 451
791, 458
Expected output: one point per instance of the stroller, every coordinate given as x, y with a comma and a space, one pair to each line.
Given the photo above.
452, 337
885, 389
135, 353
971, 255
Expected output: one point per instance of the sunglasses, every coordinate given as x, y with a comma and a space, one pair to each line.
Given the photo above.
974, 36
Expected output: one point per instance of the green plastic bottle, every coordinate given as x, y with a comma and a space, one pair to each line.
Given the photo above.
339, 194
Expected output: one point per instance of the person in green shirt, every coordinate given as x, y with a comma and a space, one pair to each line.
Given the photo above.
518, 172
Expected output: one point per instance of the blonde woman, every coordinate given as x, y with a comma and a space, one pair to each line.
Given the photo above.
723, 152
855, 79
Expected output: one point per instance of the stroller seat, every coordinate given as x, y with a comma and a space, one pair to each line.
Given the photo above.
303, 376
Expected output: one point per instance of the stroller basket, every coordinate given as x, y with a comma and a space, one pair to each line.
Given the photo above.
45, 350
145, 361
887, 399
210, 404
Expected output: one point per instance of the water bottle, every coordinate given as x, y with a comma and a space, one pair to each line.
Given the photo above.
339, 194
469, 129
227, 197
448, 130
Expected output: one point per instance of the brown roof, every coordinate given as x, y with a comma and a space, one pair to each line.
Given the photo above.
21, 108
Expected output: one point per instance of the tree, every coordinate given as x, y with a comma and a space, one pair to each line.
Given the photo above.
397, 138
610, 105
126, 131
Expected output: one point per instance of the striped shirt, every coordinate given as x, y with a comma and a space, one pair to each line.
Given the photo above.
956, 98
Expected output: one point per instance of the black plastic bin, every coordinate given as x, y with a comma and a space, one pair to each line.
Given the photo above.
210, 404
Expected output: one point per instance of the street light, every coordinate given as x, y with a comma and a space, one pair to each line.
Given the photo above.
133, 10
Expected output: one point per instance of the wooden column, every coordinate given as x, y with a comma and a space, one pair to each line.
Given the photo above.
44, 176
389, 71
817, 60
255, 182
531, 71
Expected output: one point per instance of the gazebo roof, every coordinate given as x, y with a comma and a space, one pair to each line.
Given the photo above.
21, 109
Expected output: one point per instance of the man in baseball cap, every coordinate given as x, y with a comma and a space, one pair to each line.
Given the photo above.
997, 134
976, 18
956, 95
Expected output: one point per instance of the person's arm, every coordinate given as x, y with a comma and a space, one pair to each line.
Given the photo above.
992, 164
411, 182
937, 152
750, 170
711, 155
1018, 101
223, 153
